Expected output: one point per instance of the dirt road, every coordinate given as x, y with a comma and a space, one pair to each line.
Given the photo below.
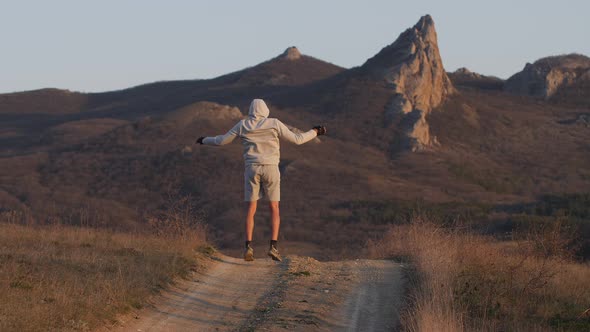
297, 294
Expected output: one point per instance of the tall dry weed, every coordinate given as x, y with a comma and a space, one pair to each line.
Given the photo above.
468, 282
180, 219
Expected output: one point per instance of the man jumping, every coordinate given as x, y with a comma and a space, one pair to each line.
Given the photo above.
260, 139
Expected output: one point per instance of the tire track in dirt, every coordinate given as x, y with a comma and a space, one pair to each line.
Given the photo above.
220, 299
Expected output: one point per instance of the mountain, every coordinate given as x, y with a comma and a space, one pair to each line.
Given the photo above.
288, 69
413, 67
546, 76
24, 116
291, 68
401, 133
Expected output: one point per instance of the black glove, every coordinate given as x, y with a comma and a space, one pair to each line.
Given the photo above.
200, 140
321, 130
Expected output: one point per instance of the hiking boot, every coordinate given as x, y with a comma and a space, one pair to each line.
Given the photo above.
274, 254
249, 254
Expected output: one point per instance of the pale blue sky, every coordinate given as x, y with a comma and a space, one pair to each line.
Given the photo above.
114, 44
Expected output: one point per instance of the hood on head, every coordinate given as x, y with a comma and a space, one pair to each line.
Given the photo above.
258, 109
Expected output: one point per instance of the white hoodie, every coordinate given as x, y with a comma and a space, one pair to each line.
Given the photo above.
260, 136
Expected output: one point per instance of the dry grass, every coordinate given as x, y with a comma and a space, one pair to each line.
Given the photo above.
465, 282
68, 278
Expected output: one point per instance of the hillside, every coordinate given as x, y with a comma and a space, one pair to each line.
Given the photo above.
403, 135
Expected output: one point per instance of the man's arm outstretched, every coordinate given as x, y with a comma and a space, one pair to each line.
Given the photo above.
297, 138
222, 139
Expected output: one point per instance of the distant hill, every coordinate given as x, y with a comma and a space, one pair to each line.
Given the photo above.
44, 101
546, 76
465, 78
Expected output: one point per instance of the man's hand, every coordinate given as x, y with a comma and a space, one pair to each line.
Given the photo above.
321, 130
200, 140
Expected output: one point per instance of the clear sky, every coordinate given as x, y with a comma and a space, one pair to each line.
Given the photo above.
94, 46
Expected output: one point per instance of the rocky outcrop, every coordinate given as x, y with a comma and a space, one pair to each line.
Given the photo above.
544, 77
464, 77
413, 67
291, 53
464, 72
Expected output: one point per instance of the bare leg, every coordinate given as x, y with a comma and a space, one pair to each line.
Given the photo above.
275, 219
251, 211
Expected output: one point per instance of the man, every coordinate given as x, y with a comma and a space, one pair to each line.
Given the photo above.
260, 139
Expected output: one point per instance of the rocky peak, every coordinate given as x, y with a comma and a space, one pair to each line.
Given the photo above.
547, 75
425, 28
291, 53
466, 73
463, 71
413, 67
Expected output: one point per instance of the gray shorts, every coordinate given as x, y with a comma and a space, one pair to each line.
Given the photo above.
266, 176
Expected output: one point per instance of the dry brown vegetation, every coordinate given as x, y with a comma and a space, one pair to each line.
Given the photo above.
465, 282
70, 278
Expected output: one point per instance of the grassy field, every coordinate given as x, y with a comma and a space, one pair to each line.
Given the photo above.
71, 278
464, 282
